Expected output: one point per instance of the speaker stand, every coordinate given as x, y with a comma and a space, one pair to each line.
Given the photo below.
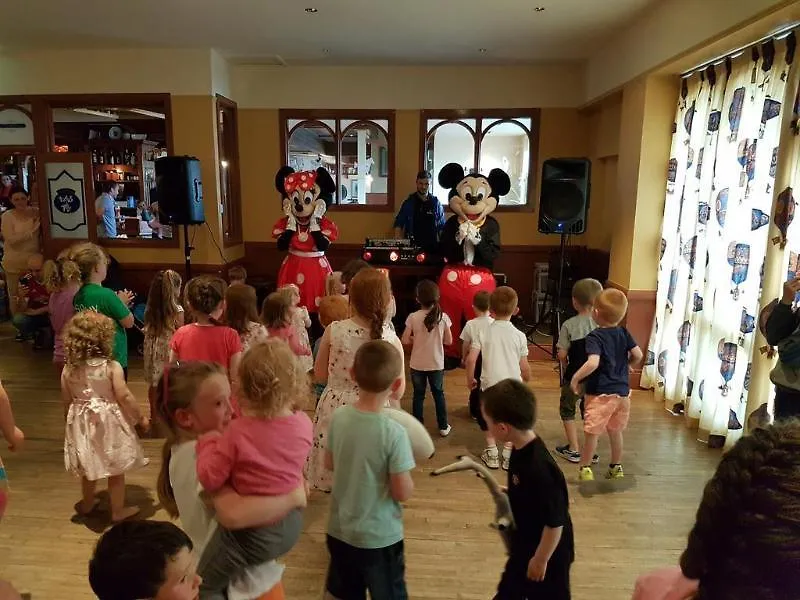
187, 254
556, 312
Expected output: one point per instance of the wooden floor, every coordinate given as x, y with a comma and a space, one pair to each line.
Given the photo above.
450, 551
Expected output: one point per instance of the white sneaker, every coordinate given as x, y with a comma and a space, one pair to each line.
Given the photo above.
445, 432
506, 459
491, 458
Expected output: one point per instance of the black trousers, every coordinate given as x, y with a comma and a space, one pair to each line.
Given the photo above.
787, 403
475, 397
515, 585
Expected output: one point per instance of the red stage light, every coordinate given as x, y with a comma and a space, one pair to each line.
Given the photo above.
393, 256
421, 257
367, 256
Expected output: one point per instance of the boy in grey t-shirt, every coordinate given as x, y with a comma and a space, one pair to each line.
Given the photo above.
572, 354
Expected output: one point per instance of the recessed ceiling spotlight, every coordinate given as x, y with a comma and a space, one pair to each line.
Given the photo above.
539, 9
311, 10
482, 50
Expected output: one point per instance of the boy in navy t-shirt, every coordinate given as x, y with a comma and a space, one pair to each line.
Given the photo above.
610, 351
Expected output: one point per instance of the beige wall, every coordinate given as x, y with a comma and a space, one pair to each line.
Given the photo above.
403, 88
668, 29
645, 134
140, 70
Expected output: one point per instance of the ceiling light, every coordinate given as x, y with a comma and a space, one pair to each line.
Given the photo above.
326, 51
539, 9
482, 50
147, 113
95, 113
311, 11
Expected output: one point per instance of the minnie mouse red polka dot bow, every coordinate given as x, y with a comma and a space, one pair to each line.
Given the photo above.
302, 180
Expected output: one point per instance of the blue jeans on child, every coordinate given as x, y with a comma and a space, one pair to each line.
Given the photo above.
420, 379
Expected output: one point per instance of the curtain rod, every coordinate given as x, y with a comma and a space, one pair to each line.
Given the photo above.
778, 34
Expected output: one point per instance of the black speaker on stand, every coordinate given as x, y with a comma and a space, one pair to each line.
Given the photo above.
563, 209
180, 197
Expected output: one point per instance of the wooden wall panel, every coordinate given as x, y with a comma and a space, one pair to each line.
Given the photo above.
262, 259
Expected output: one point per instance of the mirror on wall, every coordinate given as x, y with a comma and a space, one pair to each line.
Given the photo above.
123, 140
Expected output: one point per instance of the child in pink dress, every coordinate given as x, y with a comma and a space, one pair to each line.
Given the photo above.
261, 453
101, 413
63, 280
277, 317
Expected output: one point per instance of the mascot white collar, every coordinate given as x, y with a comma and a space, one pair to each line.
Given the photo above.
473, 197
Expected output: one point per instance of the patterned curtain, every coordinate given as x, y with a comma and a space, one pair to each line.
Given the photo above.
718, 243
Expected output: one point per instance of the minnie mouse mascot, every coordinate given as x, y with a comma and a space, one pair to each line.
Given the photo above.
305, 232
470, 243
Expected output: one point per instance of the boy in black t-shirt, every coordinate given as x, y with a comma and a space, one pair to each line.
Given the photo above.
611, 352
542, 545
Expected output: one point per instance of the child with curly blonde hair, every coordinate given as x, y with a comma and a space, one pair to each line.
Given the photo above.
101, 413
261, 454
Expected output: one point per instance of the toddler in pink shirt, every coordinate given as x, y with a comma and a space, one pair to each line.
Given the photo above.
428, 332
260, 454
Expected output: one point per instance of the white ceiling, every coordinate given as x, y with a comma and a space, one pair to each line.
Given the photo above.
341, 32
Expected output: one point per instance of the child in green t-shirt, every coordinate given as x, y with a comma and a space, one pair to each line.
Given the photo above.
370, 456
92, 263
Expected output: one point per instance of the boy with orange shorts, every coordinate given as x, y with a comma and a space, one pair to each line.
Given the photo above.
610, 352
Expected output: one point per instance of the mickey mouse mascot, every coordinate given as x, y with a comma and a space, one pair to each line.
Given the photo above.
305, 232
470, 243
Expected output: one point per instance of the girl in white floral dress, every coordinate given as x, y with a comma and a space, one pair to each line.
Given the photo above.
370, 296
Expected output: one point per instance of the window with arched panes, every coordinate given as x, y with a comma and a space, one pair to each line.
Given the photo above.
482, 142
356, 147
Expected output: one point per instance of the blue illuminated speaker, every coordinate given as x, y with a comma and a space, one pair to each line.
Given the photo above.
564, 199
180, 190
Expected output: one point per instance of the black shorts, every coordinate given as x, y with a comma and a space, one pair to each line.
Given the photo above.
515, 585
354, 571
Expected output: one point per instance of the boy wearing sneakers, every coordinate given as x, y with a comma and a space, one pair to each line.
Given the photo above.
572, 354
370, 456
504, 352
610, 352
472, 331
542, 547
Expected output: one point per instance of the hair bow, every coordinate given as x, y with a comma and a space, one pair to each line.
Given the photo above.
302, 180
